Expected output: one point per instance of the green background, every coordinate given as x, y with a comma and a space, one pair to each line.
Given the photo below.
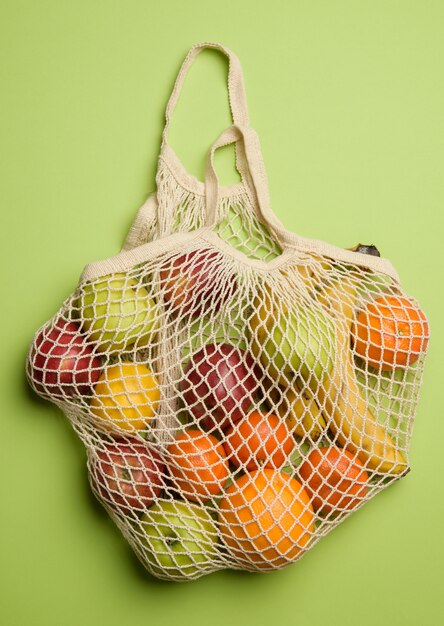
348, 99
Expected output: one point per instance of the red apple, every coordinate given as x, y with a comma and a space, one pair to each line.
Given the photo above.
194, 283
62, 362
219, 385
128, 475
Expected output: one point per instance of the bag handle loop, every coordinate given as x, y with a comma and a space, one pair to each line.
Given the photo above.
252, 170
236, 87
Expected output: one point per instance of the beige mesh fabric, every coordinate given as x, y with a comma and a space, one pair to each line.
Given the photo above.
235, 406
178, 205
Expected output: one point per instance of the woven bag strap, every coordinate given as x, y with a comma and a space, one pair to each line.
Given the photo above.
252, 170
236, 88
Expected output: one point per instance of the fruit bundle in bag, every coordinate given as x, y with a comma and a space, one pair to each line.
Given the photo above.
239, 390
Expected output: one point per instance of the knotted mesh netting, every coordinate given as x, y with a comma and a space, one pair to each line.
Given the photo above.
234, 414
239, 390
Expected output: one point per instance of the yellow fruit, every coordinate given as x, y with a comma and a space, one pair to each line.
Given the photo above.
300, 411
265, 310
305, 414
350, 418
312, 271
126, 397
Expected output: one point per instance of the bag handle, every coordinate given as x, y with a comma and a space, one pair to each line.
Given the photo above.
236, 87
252, 170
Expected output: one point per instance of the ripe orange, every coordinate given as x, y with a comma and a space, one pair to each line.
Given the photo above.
266, 519
126, 397
390, 332
335, 479
198, 465
259, 439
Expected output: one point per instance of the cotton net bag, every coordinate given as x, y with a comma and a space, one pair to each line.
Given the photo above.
234, 409
178, 205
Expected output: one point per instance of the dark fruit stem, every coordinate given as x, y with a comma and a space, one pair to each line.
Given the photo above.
170, 539
363, 248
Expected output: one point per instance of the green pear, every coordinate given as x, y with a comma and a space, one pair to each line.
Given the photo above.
300, 343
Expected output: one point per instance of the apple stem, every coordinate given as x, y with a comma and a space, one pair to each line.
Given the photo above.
171, 539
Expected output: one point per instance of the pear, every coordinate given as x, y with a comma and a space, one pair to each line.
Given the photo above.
293, 342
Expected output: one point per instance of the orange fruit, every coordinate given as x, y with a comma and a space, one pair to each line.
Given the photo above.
266, 519
390, 332
335, 479
259, 440
126, 396
199, 465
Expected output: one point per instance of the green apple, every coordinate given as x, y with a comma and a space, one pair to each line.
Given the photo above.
368, 283
299, 342
179, 539
117, 312
256, 242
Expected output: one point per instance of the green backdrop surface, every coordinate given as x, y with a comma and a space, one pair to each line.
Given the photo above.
348, 99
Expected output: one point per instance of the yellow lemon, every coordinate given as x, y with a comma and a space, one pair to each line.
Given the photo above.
126, 396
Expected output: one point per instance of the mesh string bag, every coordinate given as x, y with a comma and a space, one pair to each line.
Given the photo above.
178, 205
234, 409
